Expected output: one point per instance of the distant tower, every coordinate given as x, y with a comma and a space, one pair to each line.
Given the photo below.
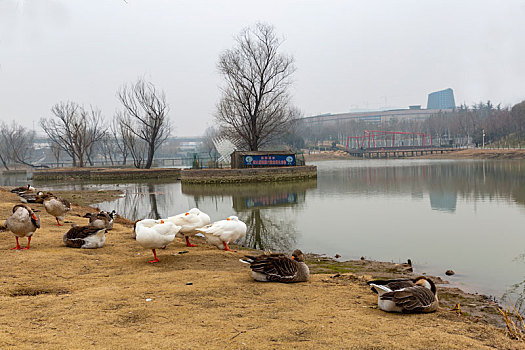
443, 99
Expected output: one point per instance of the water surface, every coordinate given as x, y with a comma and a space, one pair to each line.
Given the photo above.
443, 214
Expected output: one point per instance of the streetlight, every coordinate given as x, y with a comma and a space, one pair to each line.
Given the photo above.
483, 138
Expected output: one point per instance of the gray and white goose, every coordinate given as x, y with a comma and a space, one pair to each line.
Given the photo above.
278, 267
31, 197
21, 189
56, 206
23, 223
102, 219
86, 237
406, 295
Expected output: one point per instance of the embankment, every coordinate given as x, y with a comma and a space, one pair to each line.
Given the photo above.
98, 174
209, 176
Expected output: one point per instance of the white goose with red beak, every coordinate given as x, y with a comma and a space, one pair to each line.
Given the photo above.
189, 221
155, 234
222, 232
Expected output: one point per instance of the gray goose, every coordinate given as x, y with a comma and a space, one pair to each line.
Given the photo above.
23, 189
278, 267
23, 223
102, 219
31, 197
87, 237
405, 295
56, 206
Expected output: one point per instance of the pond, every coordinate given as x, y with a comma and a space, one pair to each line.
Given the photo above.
464, 215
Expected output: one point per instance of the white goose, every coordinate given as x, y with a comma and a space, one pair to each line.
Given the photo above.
407, 296
224, 232
190, 222
155, 234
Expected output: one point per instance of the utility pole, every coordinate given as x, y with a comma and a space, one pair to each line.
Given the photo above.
483, 138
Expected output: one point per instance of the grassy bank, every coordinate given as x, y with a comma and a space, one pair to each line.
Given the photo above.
57, 297
253, 175
97, 174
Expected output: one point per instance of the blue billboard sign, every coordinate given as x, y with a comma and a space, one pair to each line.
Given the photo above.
269, 160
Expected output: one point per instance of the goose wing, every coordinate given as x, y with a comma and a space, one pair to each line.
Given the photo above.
412, 299
81, 232
65, 202
275, 266
393, 285
187, 222
227, 230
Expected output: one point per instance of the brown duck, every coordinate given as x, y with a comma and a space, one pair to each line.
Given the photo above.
405, 295
102, 219
87, 237
278, 267
21, 189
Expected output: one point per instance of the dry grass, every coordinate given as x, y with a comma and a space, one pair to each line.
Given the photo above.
53, 297
515, 327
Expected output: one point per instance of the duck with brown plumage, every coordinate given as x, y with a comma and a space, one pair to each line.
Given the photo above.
86, 237
406, 295
278, 267
102, 219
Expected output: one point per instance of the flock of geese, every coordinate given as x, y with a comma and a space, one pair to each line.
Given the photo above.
397, 295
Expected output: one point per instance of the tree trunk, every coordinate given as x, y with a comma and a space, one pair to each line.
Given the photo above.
151, 153
4, 163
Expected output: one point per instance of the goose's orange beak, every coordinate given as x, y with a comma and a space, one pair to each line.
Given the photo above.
227, 218
293, 257
161, 221
187, 214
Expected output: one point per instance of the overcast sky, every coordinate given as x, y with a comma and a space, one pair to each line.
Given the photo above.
349, 54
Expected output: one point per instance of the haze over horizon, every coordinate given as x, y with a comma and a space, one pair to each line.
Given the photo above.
348, 54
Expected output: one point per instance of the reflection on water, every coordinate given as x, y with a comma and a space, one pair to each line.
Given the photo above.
462, 215
262, 208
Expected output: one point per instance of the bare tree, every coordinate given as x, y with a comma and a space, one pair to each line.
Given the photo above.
137, 147
75, 130
145, 118
17, 144
208, 145
56, 151
107, 148
93, 131
118, 133
255, 103
518, 116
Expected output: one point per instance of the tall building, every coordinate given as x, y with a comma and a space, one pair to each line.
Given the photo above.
443, 99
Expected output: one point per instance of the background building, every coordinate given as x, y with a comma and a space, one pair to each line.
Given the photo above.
443, 99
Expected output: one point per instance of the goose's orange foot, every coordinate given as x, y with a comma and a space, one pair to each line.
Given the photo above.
188, 244
227, 248
17, 245
155, 255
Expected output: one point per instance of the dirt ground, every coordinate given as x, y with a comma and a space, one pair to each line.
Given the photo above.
196, 298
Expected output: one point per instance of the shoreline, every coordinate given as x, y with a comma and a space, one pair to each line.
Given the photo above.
70, 288
470, 153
